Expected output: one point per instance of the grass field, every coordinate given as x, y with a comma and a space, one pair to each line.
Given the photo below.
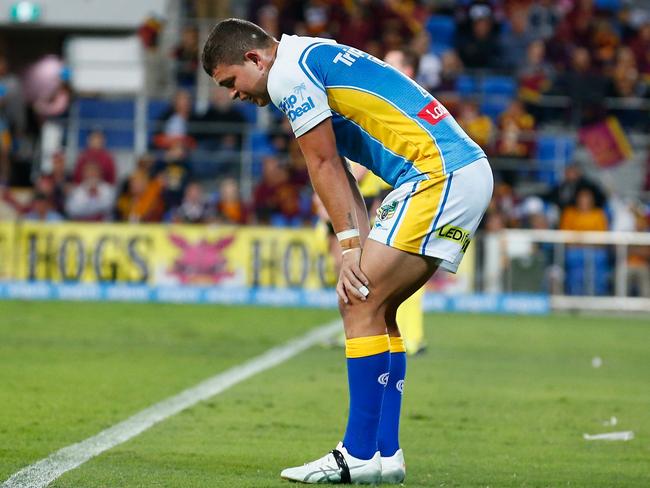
495, 401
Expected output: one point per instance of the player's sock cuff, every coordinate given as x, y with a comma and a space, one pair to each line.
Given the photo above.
360, 347
397, 344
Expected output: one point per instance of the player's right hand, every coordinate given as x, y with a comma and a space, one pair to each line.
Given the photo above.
352, 282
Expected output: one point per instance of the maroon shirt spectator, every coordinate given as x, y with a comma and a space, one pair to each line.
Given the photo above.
641, 48
275, 194
96, 153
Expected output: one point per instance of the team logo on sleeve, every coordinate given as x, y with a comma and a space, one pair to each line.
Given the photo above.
295, 105
434, 112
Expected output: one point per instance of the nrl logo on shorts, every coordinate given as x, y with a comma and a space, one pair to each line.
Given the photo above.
456, 234
386, 211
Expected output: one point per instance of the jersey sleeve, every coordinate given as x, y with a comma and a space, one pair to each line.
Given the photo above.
298, 93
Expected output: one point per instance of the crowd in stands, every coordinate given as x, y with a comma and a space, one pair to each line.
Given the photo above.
505, 69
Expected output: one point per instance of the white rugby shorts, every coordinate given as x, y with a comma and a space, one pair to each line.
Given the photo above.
436, 217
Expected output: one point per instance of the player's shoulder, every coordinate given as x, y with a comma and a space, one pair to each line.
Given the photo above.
291, 61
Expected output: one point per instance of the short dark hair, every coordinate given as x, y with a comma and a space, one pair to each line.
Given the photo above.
229, 41
411, 58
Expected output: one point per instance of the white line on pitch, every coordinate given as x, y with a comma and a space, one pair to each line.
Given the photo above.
43, 472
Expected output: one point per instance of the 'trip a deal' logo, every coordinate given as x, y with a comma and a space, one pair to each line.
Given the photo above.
295, 105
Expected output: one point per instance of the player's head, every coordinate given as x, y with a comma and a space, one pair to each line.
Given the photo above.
238, 55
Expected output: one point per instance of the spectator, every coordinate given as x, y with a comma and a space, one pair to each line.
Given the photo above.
516, 132
61, 181
477, 43
514, 42
141, 201
268, 19
275, 195
5, 142
429, 65
193, 209
584, 215
96, 153
174, 125
92, 199
42, 209
544, 17
174, 173
46, 185
221, 125
586, 266
230, 207
14, 100
585, 88
405, 60
478, 126
640, 45
580, 20
360, 25
638, 262
604, 45
626, 82
564, 194
535, 79
451, 68
186, 57
506, 203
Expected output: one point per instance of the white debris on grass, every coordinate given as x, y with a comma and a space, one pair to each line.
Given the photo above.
610, 436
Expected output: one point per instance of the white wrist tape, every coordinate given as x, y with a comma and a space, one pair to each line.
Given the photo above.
348, 250
347, 234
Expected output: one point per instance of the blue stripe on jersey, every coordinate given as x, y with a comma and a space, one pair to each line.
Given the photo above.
440, 210
456, 148
305, 67
356, 144
401, 214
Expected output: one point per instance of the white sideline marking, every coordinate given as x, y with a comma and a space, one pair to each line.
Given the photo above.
43, 472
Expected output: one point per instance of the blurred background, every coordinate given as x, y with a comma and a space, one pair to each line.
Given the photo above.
108, 123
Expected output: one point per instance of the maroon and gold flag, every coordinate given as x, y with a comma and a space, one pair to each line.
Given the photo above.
606, 142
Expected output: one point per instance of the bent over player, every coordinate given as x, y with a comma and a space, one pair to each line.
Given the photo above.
342, 102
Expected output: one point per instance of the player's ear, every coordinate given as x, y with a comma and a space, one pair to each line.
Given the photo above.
254, 57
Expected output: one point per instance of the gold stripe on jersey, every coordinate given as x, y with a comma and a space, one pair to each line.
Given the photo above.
422, 210
397, 132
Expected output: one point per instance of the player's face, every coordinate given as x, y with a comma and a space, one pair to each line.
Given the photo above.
245, 81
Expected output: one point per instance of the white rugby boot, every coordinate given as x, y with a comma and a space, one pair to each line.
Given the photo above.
393, 469
337, 467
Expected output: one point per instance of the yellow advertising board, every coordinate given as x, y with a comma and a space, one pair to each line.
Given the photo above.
7, 249
169, 254
160, 255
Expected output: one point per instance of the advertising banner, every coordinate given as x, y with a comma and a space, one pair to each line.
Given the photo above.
169, 255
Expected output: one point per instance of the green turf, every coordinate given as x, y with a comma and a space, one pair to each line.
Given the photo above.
496, 401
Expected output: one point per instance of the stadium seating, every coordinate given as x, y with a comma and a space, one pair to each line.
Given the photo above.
466, 85
114, 116
553, 153
498, 85
587, 271
442, 30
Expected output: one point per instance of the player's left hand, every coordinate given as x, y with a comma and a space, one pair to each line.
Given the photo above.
352, 281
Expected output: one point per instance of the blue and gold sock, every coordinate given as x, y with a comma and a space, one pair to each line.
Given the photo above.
388, 434
368, 363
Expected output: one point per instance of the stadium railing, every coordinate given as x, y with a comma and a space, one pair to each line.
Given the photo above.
596, 271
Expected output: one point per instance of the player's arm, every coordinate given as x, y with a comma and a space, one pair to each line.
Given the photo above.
354, 174
330, 178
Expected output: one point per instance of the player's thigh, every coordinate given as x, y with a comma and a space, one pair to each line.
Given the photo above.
393, 276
